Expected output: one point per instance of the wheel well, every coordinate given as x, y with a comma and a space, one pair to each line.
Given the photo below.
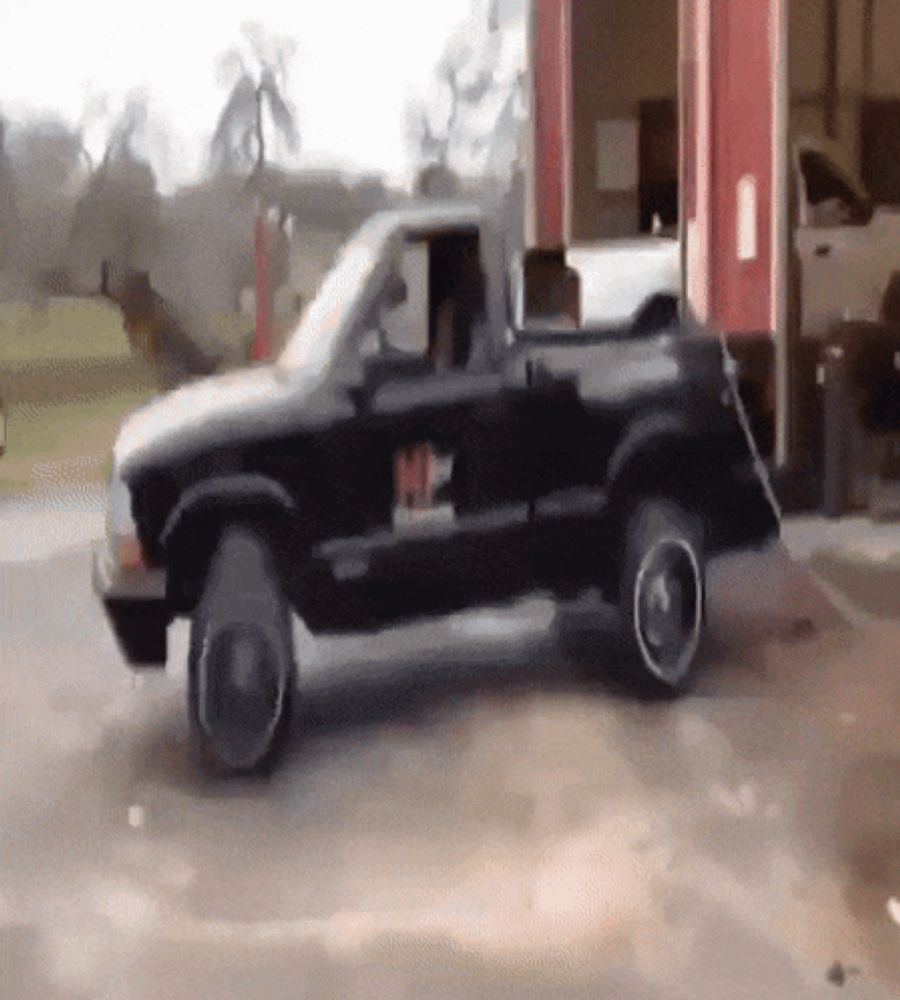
693, 473
193, 541
657, 312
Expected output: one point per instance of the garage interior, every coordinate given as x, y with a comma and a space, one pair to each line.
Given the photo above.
842, 91
844, 86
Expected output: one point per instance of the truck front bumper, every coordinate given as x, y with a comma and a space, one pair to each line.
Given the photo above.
136, 605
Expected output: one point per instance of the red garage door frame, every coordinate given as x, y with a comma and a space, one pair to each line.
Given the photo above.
733, 140
734, 164
551, 170
734, 168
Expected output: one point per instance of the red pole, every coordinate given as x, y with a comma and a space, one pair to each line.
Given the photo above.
262, 342
732, 173
552, 56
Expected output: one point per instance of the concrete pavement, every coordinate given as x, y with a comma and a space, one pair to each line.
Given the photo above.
464, 809
857, 558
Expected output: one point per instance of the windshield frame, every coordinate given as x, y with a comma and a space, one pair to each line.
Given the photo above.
344, 295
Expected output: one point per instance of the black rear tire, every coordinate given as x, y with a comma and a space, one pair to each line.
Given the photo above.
241, 669
662, 593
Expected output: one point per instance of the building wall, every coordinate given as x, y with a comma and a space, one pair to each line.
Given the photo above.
857, 77
624, 53
808, 71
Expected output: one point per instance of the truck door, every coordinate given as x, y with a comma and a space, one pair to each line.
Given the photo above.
841, 273
434, 397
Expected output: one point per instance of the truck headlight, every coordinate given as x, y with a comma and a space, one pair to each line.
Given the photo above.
121, 530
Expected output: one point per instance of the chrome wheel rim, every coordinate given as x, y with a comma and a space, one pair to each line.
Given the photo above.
668, 608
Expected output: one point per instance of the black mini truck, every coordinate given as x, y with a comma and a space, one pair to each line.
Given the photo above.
412, 452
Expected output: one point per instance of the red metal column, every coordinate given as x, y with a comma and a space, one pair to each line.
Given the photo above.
694, 173
552, 82
262, 341
732, 162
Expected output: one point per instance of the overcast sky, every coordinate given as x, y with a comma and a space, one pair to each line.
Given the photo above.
357, 63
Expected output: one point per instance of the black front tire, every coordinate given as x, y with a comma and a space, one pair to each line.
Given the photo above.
241, 669
662, 594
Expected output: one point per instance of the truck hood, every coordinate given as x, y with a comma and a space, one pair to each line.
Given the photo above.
233, 407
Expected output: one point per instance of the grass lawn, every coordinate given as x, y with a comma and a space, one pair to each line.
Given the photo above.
50, 446
68, 329
67, 379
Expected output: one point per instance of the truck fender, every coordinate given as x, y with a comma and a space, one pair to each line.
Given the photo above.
664, 453
643, 434
240, 491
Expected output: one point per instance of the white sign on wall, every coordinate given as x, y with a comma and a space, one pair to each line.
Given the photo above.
747, 218
617, 154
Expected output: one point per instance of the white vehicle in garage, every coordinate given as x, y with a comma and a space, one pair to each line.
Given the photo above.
620, 277
848, 250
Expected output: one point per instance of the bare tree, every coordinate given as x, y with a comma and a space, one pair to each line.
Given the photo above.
116, 218
258, 86
460, 87
462, 93
429, 145
129, 125
116, 242
40, 173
